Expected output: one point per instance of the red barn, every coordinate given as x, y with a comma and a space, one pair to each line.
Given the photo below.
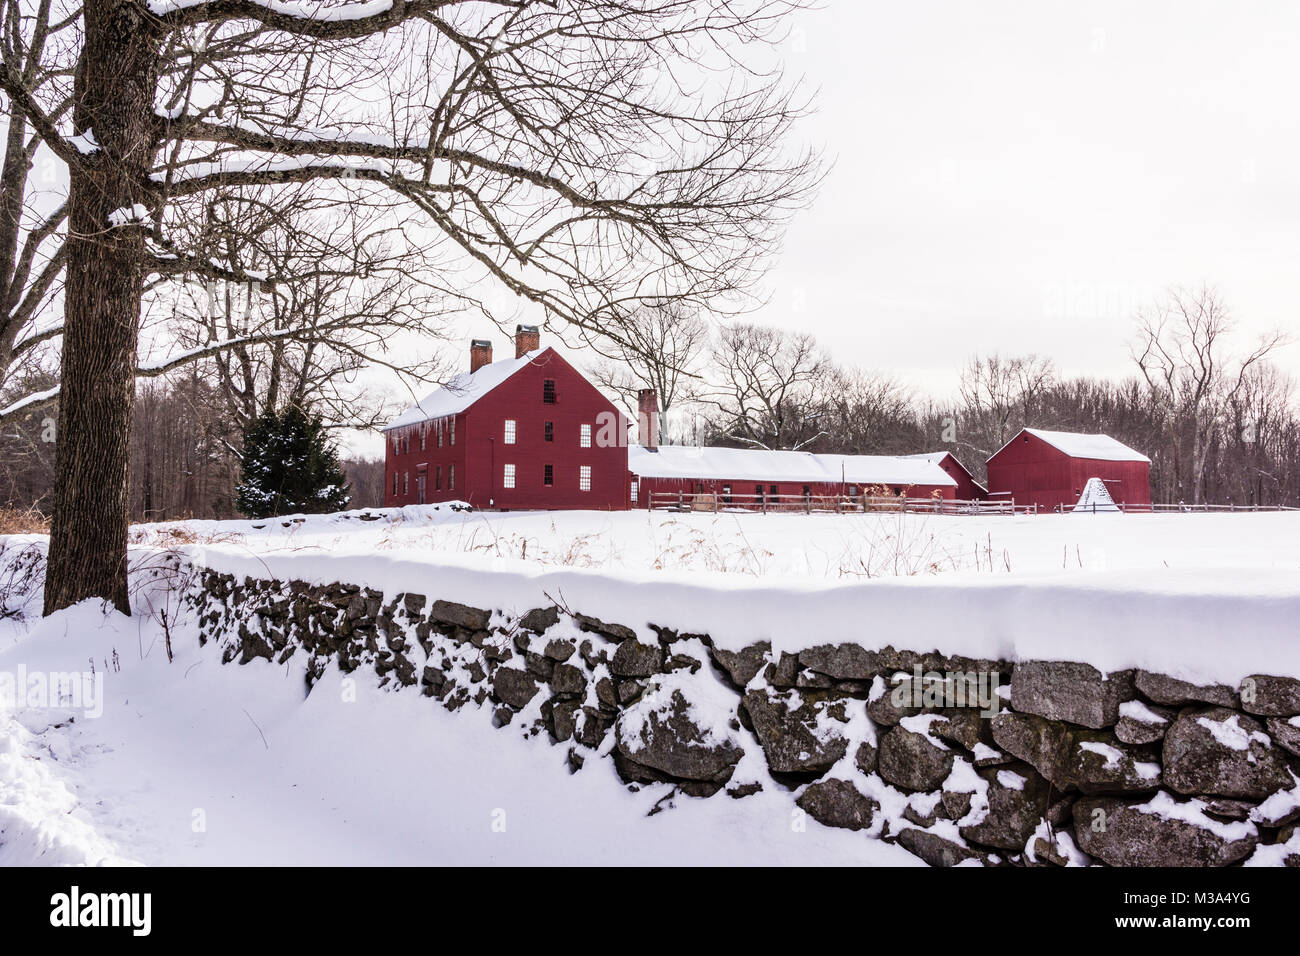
524, 433
1050, 469
968, 489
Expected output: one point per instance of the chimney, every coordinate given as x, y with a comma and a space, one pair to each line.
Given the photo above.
526, 340
480, 354
647, 418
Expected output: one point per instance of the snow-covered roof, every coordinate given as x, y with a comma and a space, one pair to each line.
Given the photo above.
757, 464
1096, 447
461, 392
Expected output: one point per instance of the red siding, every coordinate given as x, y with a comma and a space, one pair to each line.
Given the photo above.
967, 489
1031, 471
481, 454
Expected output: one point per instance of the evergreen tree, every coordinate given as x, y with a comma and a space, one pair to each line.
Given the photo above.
289, 466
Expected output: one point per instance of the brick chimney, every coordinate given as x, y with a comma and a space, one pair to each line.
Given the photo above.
647, 418
480, 354
527, 340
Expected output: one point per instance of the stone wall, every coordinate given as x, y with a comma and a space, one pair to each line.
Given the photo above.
957, 760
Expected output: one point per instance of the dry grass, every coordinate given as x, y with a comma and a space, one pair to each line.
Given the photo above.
19, 521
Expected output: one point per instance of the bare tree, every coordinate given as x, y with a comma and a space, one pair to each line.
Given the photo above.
768, 386
998, 397
1182, 352
662, 346
553, 147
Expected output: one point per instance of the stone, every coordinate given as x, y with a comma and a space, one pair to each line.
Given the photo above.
1090, 760
1131, 730
668, 741
559, 650
1073, 692
1116, 832
540, 619
934, 849
614, 632
1225, 809
1017, 797
812, 680
837, 803
633, 659
459, 615
1213, 751
1176, 693
840, 661
629, 690
865, 757
1285, 733
741, 666
678, 662
789, 735
909, 760
606, 694
568, 681
513, 687
784, 672
1270, 696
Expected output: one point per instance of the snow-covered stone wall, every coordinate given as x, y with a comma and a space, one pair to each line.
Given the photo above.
959, 760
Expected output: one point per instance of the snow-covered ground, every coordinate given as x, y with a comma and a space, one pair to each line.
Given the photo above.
195, 763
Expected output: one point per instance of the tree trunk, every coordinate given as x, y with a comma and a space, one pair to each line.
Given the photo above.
115, 85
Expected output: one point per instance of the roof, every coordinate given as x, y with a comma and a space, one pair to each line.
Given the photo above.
461, 392
757, 464
1076, 445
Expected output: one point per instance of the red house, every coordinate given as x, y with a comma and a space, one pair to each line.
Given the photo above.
968, 489
1050, 469
524, 433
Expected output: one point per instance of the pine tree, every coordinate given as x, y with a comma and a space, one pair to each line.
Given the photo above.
289, 466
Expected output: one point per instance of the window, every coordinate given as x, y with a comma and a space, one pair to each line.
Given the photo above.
584, 477
406, 442
584, 436
550, 431
758, 492
807, 491
406, 482
439, 434
423, 430
548, 475
451, 428
510, 431
772, 492
853, 491
437, 478
635, 489
726, 494
451, 477
394, 484
548, 391
509, 480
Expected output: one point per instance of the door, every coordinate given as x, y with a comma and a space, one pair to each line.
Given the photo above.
421, 481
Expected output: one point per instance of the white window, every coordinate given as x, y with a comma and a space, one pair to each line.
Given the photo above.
584, 477
510, 431
406, 482
451, 477
509, 480
584, 436
634, 491
451, 428
394, 484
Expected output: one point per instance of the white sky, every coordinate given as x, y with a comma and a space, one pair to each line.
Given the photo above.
1021, 175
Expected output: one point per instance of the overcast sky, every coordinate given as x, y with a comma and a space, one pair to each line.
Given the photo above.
1020, 176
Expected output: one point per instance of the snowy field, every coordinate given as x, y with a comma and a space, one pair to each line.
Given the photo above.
195, 763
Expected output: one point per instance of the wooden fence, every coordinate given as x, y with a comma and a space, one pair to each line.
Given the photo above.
716, 502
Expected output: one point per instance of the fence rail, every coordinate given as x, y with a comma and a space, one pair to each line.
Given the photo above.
716, 502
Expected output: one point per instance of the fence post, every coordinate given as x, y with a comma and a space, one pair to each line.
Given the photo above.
681, 503
715, 502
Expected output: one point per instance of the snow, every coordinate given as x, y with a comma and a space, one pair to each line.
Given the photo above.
137, 212
1193, 812
305, 9
461, 392
1095, 498
1111, 755
1094, 447
1011, 780
1229, 733
1136, 710
1278, 806
758, 464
